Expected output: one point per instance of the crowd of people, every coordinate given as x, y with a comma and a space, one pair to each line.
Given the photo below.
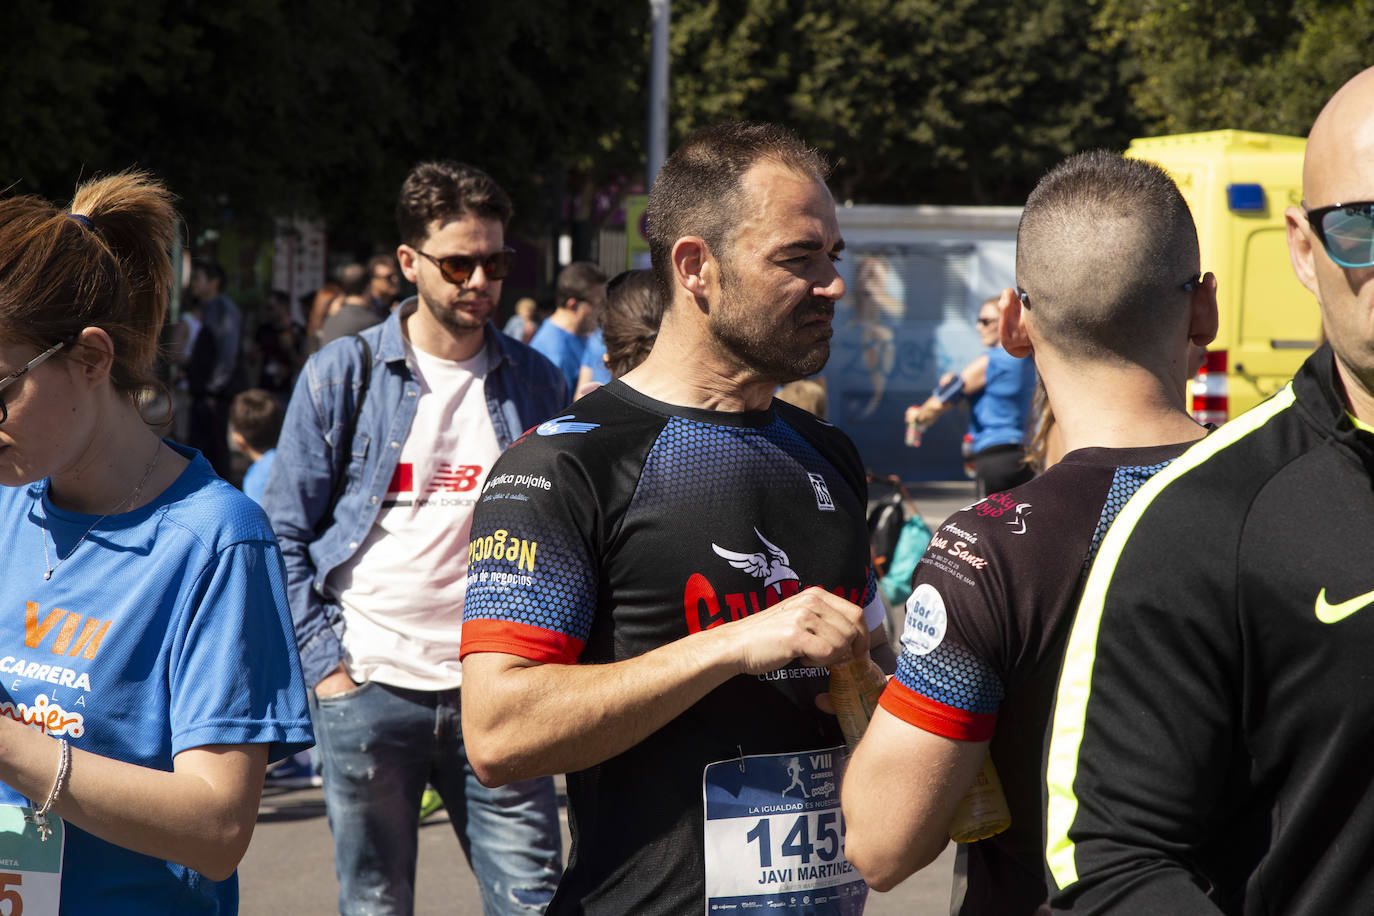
467, 559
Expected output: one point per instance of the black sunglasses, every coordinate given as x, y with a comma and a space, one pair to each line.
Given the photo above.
1346, 231
459, 268
1187, 286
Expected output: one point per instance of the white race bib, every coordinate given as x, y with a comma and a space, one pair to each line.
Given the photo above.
30, 867
775, 836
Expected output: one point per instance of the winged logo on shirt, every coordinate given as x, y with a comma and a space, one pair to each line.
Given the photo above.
770, 565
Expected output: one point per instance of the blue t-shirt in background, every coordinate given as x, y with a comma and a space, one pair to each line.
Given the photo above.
165, 629
564, 350
255, 478
594, 358
998, 412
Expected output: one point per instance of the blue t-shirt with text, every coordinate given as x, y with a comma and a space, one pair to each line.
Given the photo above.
164, 629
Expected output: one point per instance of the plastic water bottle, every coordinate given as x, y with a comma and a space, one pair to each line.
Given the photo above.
913, 433
983, 811
855, 687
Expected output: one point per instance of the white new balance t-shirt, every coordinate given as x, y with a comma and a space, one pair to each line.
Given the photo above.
402, 592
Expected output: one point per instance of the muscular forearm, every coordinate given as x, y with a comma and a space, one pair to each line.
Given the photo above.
899, 794
201, 815
541, 719
523, 719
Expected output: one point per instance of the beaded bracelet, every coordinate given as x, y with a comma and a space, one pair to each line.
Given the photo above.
40, 815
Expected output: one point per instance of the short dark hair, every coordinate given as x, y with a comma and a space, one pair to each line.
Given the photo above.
1103, 247
355, 279
579, 280
211, 268
629, 325
447, 190
256, 415
698, 191
382, 260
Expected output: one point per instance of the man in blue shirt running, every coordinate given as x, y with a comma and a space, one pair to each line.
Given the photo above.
999, 388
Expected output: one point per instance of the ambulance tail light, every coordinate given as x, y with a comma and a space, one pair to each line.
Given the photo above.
1210, 401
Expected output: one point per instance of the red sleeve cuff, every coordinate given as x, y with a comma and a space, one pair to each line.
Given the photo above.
936, 718
535, 643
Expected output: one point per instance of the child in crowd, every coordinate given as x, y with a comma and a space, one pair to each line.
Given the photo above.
255, 418
254, 424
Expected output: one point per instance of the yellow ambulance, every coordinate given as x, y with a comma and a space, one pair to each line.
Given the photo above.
1238, 185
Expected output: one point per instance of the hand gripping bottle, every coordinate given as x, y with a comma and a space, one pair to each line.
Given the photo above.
982, 812
914, 431
855, 687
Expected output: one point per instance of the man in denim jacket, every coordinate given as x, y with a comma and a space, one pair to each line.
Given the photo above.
377, 581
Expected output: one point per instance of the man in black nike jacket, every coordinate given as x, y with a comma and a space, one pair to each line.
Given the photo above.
1211, 744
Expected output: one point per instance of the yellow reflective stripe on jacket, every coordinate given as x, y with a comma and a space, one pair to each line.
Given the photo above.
1075, 679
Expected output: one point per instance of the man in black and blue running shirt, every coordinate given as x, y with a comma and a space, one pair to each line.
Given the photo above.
661, 575
1110, 303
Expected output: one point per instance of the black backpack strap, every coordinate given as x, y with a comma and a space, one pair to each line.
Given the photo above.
350, 429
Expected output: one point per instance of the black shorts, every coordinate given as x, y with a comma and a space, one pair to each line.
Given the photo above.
1000, 468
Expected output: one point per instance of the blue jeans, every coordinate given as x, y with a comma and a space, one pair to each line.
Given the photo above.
380, 745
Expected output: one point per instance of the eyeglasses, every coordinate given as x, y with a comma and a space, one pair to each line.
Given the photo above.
1346, 232
459, 268
1187, 286
19, 373
388, 277
986, 321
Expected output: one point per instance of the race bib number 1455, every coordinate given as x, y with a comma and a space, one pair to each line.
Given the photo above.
775, 836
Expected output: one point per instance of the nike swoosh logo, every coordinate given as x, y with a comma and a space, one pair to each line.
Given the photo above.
1334, 613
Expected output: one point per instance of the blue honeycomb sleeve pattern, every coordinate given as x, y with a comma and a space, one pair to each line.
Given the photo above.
532, 567
952, 676
1124, 484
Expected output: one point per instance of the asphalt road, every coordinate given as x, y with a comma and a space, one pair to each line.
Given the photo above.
289, 868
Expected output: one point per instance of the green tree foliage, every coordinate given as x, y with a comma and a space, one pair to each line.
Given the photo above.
544, 95
913, 100
235, 105
1247, 64
257, 108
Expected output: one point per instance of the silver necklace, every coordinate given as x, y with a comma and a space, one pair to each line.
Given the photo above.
128, 500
